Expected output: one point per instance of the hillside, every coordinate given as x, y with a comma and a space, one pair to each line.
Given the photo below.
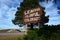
9, 31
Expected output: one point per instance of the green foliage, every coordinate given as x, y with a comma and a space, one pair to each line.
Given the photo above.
50, 32
32, 35
26, 5
45, 33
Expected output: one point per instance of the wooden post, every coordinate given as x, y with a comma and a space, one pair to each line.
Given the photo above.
26, 29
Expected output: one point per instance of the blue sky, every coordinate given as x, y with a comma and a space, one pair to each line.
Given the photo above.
7, 10
9, 7
51, 10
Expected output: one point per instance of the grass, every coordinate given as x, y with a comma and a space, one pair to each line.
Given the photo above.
3, 31
17, 37
10, 37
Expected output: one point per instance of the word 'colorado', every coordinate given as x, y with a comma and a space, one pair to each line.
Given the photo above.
31, 11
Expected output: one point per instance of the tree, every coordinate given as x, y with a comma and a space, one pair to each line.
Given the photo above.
43, 19
26, 5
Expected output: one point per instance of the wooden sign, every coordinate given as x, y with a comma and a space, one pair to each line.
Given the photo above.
32, 16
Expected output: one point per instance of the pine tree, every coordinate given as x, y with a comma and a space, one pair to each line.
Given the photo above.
26, 5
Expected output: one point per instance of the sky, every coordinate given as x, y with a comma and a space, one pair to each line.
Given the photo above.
8, 9
51, 10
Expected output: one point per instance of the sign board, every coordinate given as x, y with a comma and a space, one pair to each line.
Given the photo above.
32, 15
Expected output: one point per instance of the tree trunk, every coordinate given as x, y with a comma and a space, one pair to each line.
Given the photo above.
40, 25
40, 31
31, 27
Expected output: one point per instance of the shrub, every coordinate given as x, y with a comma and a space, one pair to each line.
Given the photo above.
32, 35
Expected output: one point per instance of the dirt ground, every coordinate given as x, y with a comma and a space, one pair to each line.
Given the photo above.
11, 36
